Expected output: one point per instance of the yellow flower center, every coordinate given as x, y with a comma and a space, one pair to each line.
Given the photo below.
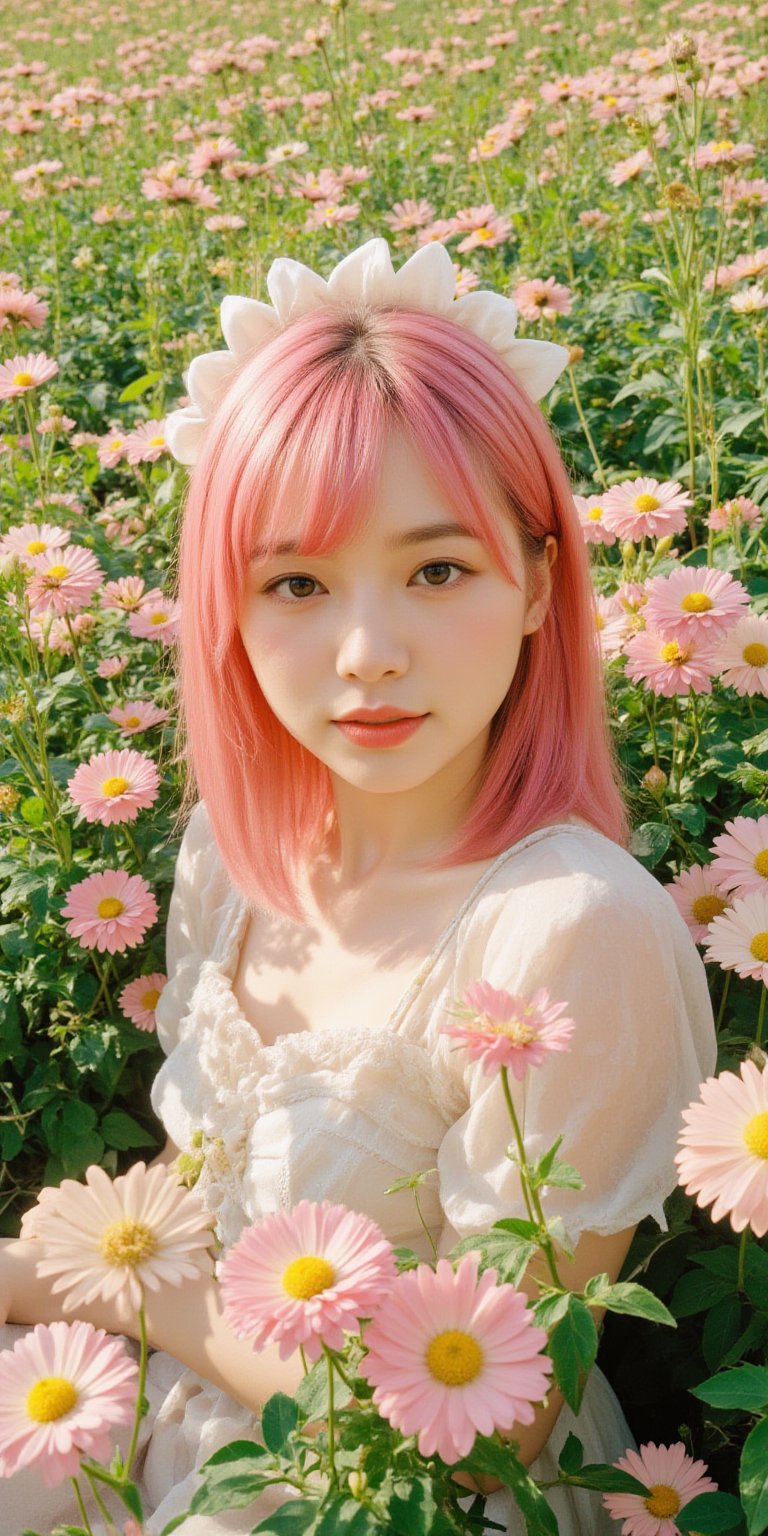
158, 618
595, 514
454, 1357
704, 908
127, 1242
484, 233
759, 947
697, 602
610, 101
149, 998
662, 1501
516, 1031
132, 720
755, 654
109, 906
565, 85
756, 1135
114, 786
674, 652
51, 1398
23, 380
57, 572
157, 442
599, 621
117, 442
36, 547
645, 502
308, 1276
723, 145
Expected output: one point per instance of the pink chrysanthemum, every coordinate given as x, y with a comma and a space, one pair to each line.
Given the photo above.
112, 448
140, 997
158, 619
63, 580
699, 898
741, 855
645, 508
114, 786
29, 539
672, 1477
694, 601
670, 666
128, 593
590, 510
23, 308
724, 1148
63, 1387
111, 910
114, 1237
20, 374
536, 298
738, 940
136, 715
611, 626
739, 512
146, 443
742, 657
451, 1357
112, 666
504, 1029
303, 1277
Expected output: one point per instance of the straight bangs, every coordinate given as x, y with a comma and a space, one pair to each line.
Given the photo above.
296, 445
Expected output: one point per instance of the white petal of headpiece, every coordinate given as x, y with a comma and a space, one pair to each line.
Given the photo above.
537, 364
208, 377
184, 431
246, 324
427, 279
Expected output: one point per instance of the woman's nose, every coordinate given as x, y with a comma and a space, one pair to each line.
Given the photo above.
369, 643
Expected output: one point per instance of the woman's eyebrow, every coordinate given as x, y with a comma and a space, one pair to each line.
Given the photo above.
408, 536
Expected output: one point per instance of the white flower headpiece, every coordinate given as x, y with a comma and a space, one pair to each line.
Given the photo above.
425, 281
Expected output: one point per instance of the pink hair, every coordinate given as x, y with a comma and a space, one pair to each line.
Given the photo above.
317, 401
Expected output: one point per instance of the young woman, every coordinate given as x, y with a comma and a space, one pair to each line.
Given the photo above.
379, 521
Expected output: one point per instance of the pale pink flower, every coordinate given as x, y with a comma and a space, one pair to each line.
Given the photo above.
695, 600
26, 540
739, 512
110, 910
136, 715
626, 170
113, 786
25, 308
745, 192
116, 1237
409, 214
305, 1276
742, 656
722, 152
590, 510
451, 1357
741, 855
22, 373
645, 508
68, 499
222, 223
504, 1029
146, 442
56, 424
699, 897
723, 1153
670, 666
672, 1478
329, 215
139, 999
63, 1387
63, 579
611, 626
737, 940
112, 666
158, 619
537, 298
128, 592
493, 232
752, 301
211, 152
112, 448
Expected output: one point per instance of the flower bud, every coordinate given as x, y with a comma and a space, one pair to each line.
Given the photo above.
628, 552
9, 799
358, 1482
575, 354
681, 47
757, 1055
664, 546
655, 780
677, 194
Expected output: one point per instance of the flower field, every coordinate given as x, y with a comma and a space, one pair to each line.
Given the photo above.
604, 165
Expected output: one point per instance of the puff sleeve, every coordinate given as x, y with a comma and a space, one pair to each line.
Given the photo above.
199, 887
619, 953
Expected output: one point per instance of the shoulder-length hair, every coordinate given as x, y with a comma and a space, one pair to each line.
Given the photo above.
318, 401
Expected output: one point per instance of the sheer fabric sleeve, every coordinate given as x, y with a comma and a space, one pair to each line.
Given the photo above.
644, 1040
199, 886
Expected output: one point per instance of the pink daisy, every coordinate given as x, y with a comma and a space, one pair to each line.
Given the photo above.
29, 539
672, 1477
738, 940
504, 1029
157, 619
64, 579
136, 715
111, 910
20, 374
140, 998
694, 601
127, 593
741, 855
451, 1357
724, 1148
742, 656
114, 786
670, 666
303, 1277
699, 897
112, 666
24, 308
739, 512
146, 443
590, 510
63, 1387
645, 508
112, 448
116, 1237
537, 298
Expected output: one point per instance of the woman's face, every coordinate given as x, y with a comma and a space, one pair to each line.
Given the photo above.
431, 625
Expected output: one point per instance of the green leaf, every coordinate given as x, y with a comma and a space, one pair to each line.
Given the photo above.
636, 1301
693, 817
120, 1130
138, 387
564, 1176
573, 1347
572, 1455
710, 1513
607, 1479
651, 383
237, 1450
296, 1518
234, 1485
721, 1329
279, 1417
33, 810
650, 841
501, 1462
696, 1293
753, 1478
499, 1250
347, 1517
744, 1386
734, 425
412, 1509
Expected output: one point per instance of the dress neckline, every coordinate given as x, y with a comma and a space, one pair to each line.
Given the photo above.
224, 968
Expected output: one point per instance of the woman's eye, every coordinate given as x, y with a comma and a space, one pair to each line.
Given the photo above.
433, 565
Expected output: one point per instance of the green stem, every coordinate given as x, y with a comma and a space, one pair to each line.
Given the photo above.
761, 1015
127, 833
81, 669
532, 1201
742, 1258
424, 1224
585, 428
101, 1506
83, 1510
140, 1392
721, 1010
331, 1430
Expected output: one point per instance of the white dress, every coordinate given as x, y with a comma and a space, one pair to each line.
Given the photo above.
340, 1116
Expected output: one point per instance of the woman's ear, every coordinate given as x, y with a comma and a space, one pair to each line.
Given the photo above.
539, 604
